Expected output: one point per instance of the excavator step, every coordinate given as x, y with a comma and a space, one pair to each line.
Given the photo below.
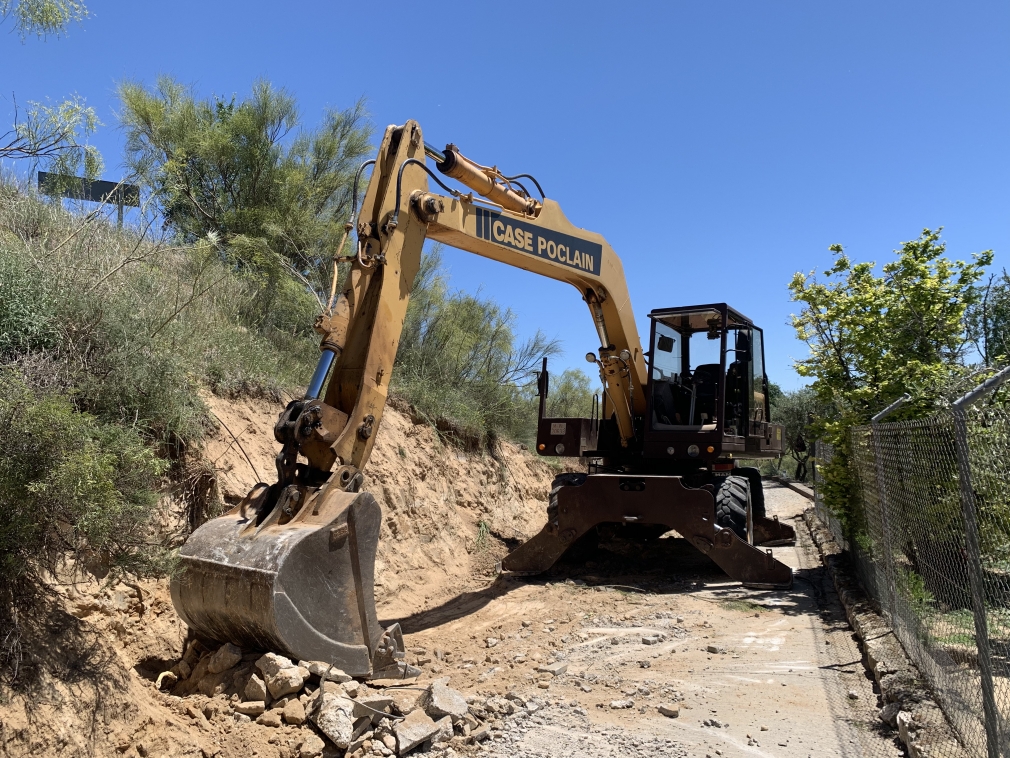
297, 581
661, 500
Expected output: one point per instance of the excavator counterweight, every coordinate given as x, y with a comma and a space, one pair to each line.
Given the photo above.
291, 568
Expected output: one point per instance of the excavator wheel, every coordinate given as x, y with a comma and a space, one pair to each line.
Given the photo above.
731, 505
291, 572
757, 491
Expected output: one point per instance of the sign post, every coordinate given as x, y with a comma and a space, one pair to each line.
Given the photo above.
99, 191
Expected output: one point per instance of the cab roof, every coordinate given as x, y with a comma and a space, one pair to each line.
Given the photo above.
696, 317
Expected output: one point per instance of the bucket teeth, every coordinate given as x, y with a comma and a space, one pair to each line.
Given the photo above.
296, 582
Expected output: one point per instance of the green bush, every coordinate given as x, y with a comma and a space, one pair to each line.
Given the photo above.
69, 485
135, 326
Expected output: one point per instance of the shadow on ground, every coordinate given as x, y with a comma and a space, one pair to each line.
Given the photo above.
60, 657
667, 565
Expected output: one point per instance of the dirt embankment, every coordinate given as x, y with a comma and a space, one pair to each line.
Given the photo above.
447, 515
435, 497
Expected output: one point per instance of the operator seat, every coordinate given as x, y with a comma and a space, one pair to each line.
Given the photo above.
736, 397
670, 402
663, 403
706, 392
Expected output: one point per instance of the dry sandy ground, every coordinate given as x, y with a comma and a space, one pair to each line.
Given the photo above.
781, 687
790, 681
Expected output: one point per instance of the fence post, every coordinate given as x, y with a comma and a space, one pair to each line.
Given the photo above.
969, 513
888, 589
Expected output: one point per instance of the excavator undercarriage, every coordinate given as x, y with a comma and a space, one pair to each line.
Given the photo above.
290, 568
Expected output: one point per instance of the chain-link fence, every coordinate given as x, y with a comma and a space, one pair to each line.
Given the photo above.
931, 543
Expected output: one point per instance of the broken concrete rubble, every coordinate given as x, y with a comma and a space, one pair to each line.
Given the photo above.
226, 656
354, 717
250, 708
373, 707
445, 701
416, 728
334, 717
319, 669
255, 689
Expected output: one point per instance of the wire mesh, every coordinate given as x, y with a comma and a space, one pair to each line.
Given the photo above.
910, 550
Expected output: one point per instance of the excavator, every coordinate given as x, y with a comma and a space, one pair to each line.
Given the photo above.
291, 567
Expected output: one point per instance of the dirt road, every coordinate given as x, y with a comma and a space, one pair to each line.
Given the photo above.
754, 673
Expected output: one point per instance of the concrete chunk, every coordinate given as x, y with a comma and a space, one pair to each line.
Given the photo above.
554, 669
372, 706
271, 663
312, 747
889, 714
270, 718
227, 655
444, 733
286, 681
294, 713
318, 668
334, 719
250, 708
416, 728
445, 701
255, 689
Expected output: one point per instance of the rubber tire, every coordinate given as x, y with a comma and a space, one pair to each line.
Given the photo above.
731, 505
757, 490
562, 480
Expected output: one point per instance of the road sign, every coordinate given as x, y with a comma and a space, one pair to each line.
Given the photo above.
99, 191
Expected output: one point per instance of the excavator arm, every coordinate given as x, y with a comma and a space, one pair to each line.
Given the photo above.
291, 567
398, 213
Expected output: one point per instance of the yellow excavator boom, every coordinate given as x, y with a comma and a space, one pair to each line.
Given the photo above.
290, 568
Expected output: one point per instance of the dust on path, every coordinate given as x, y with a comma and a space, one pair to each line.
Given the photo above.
790, 682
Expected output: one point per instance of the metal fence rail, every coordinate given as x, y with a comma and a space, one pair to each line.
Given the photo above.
932, 546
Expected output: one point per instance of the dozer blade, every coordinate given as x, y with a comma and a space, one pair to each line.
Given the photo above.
770, 532
298, 580
663, 500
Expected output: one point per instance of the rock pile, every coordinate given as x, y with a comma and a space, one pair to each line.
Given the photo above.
343, 716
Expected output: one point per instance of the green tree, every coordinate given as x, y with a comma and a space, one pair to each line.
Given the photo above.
796, 411
570, 395
775, 394
989, 321
41, 17
274, 195
54, 136
69, 486
873, 338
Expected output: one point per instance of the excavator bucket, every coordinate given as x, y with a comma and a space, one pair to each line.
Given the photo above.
654, 500
291, 572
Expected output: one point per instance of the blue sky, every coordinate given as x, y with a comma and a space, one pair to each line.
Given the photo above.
720, 147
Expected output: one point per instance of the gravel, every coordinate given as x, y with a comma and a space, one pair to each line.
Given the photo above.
560, 732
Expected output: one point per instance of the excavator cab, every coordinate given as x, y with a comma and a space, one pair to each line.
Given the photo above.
706, 397
707, 393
